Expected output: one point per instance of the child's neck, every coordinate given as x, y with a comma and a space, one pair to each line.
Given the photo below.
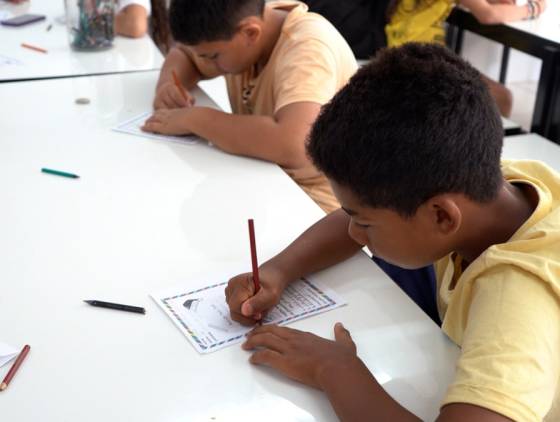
272, 28
494, 223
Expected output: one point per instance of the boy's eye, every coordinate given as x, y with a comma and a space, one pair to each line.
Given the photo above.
362, 226
213, 56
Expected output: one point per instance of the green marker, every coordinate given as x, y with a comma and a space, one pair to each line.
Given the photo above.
60, 173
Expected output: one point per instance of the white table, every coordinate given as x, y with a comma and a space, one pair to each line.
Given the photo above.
146, 215
546, 27
126, 55
539, 38
532, 147
510, 127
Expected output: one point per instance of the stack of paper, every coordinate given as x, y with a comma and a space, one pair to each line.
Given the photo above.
7, 353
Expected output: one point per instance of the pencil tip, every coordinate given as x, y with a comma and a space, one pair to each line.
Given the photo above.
88, 301
3, 386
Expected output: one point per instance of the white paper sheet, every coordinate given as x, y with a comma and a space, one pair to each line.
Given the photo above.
9, 61
132, 127
202, 314
7, 353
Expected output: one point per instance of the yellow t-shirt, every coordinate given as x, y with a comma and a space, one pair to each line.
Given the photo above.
504, 311
418, 20
310, 62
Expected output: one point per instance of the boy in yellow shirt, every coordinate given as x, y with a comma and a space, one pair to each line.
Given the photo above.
423, 21
412, 149
281, 64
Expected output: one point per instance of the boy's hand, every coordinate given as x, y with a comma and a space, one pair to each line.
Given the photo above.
169, 96
301, 356
245, 306
168, 122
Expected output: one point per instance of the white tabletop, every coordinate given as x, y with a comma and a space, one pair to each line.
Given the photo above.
532, 147
509, 124
547, 26
146, 215
126, 55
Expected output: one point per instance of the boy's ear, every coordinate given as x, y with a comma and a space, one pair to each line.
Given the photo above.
251, 29
445, 214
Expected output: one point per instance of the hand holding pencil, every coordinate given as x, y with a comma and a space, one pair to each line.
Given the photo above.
251, 295
172, 94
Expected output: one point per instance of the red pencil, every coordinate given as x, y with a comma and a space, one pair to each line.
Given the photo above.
254, 255
254, 259
179, 85
14, 367
32, 47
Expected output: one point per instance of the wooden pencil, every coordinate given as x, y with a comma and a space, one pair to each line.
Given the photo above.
32, 47
254, 261
15, 367
179, 85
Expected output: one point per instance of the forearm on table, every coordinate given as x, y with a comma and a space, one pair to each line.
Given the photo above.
132, 21
324, 244
357, 396
248, 135
489, 14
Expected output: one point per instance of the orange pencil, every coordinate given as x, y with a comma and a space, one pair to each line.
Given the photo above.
32, 47
179, 86
14, 367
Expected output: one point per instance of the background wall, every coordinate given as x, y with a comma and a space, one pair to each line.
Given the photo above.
522, 76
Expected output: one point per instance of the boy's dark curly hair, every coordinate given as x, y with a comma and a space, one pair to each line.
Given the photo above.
195, 21
415, 122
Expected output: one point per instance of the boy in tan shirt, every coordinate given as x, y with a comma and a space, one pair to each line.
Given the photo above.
281, 64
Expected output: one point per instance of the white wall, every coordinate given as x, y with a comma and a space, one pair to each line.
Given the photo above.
486, 56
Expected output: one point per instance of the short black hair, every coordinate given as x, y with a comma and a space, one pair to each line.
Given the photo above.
195, 21
415, 122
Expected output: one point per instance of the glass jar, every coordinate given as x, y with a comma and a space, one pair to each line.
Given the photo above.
90, 24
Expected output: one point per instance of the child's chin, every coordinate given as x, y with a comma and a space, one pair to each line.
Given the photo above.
397, 263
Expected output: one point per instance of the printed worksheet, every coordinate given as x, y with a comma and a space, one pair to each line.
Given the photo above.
9, 61
202, 314
132, 127
7, 353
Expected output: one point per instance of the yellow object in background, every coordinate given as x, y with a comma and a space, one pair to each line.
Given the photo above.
418, 20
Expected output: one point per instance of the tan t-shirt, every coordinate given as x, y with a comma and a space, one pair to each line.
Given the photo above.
504, 311
310, 63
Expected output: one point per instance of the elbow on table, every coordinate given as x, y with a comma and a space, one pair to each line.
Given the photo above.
290, 158
133, 29
294, 158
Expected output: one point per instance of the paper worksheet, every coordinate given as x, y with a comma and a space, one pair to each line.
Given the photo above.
202, 314
132, 127
9, 61
7, 353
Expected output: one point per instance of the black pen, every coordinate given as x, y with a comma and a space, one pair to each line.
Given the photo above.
116, 306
